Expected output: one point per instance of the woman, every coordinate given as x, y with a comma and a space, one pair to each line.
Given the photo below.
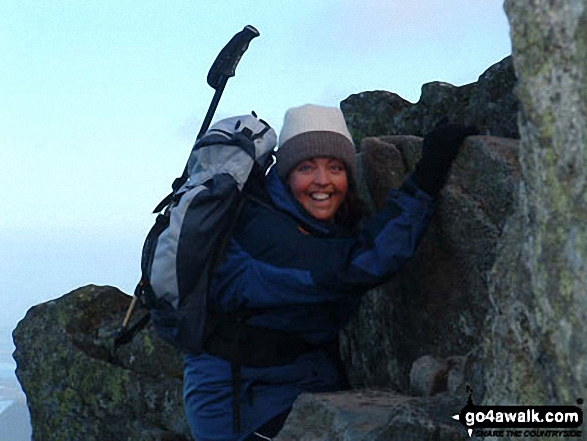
294, 272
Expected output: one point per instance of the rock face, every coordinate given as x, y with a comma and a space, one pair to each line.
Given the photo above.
372, 416
372, 113
536, 350
489, 104
76, 391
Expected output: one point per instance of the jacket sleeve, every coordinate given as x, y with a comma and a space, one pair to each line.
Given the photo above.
275, 267
385, 243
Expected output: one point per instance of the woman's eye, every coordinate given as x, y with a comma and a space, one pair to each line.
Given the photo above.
337, 168
304, 168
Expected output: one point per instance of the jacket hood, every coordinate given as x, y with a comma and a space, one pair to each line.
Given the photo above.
284, 201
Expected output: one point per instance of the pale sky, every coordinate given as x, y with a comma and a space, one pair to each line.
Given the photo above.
101, 102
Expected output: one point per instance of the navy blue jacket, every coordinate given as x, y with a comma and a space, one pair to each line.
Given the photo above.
308, 276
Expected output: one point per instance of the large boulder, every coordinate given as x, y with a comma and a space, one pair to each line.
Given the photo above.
437, 303
535, 350
78, 389
371, 113
372, 416
489, 104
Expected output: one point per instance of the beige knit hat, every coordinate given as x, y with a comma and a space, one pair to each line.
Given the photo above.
311, 131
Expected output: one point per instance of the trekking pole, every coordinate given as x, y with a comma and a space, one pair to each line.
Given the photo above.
131, 308
222, 69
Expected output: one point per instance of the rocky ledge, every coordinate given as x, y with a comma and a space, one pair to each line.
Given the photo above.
77, 389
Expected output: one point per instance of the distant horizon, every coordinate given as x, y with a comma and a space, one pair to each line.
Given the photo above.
11, 394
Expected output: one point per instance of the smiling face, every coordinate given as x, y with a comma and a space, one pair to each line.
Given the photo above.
320, 185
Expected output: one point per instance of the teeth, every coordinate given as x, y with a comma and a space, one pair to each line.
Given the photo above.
320, 196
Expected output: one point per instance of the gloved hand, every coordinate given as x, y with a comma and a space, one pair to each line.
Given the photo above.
439, 150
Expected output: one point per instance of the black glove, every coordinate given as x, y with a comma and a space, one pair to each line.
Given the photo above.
439, 150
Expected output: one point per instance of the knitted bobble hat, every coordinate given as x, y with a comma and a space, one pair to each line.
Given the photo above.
311, 131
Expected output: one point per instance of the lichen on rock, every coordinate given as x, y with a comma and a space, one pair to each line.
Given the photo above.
77, 390
535, 347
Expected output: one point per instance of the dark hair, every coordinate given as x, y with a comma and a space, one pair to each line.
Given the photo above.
352, 210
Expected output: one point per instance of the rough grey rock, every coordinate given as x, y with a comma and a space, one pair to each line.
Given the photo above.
489, 104
371, 113
373, 416
76, 391
386, 161
437, 303
535, 349
430, 375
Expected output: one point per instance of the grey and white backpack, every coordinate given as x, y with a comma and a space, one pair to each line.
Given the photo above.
193, 227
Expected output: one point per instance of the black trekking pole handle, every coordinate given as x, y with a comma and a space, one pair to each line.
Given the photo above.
224, 67
225, 64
